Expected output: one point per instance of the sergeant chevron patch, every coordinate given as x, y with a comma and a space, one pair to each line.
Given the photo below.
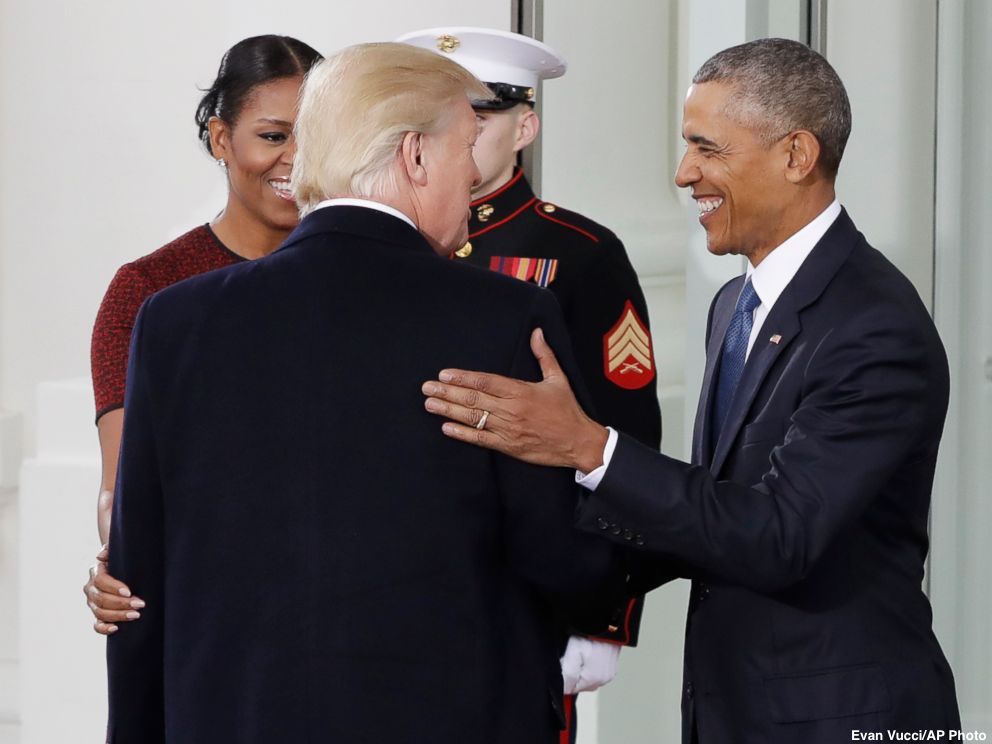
627, 358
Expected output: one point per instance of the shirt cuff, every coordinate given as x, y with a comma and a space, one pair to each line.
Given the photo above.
591, 480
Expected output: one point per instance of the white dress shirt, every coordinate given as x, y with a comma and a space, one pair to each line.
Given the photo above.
368, 204
769, 279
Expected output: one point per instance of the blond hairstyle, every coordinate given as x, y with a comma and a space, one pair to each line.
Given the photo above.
357, 106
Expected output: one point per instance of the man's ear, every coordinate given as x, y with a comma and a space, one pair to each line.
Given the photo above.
220, 138
411, 156
528, 125
804, 154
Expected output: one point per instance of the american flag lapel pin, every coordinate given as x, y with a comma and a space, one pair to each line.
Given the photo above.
776, 338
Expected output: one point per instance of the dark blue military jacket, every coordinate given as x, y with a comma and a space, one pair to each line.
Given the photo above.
586, 267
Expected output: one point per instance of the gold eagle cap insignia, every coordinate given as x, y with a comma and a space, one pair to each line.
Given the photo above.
447, 43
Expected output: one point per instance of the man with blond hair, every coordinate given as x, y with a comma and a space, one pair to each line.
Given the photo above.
306, 578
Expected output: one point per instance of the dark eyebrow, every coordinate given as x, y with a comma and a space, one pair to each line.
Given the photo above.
278, 122
698, 139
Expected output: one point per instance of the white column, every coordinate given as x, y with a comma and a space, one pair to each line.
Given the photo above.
961, 554
944, 518
711, 26
10, 462
63, 679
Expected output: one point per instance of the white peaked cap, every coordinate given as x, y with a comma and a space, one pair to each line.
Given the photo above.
492, 55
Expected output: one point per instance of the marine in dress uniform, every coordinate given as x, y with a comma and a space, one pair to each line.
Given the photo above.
585, 265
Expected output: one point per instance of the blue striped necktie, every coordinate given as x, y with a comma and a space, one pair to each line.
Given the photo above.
734, 354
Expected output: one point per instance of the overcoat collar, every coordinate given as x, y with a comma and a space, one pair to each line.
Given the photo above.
360, 221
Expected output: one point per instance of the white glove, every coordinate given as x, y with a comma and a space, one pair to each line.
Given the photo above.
588, 665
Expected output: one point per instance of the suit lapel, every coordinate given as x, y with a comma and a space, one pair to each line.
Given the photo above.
723, 311
784, 322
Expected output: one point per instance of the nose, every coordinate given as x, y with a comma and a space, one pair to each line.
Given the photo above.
687, 173
289, 151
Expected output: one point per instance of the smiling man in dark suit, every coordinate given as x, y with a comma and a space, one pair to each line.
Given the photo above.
306, 578
802, 519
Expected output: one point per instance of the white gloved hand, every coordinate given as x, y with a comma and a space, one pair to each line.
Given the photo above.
571, 664
588, 665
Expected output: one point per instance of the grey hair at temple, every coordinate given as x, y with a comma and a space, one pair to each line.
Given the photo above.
780, 86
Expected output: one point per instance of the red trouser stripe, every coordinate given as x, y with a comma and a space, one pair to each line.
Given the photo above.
565, 736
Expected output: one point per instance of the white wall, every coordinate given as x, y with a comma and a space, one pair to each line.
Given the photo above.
885, 52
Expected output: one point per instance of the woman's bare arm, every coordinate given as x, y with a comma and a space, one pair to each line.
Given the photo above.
109, 600
109, 429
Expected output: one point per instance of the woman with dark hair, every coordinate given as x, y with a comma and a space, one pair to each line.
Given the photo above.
245, 122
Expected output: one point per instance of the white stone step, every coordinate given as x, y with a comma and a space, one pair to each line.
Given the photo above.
63, 676
10, 733
63, 692
11, 451
9, 671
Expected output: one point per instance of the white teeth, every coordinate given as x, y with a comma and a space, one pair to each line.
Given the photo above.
282, 188
708, 205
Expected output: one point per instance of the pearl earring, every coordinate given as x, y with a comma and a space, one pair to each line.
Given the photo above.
222, 163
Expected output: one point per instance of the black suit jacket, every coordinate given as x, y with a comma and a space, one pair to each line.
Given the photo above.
805, 528
321, 564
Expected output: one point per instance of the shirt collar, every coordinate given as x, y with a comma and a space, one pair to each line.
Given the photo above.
774, 273
368, 204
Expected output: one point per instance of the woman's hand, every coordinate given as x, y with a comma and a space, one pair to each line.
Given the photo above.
109, 600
